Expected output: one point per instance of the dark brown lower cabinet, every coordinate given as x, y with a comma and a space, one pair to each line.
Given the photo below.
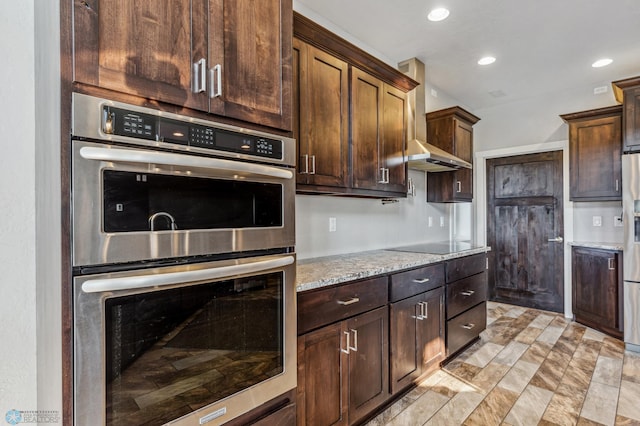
597, 289
416, 337
343, 370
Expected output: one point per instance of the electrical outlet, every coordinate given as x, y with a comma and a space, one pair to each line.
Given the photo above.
430, 222
617, 221
597, 220
442, 221
332, 224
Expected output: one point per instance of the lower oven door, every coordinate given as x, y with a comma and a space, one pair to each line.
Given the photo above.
189, 345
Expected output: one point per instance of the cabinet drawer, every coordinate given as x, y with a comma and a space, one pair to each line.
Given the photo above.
325, 306
466, 293
466, 327
462, 267
415, 281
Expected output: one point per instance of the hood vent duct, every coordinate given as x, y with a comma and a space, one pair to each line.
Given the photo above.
420, 154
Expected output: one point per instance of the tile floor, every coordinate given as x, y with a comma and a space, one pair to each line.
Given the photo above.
530, 367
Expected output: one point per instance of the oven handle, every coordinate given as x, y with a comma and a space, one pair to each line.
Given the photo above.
171, 159
171, 278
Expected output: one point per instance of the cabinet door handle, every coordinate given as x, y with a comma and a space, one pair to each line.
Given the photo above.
313, 165
617, 185
612, 265
199, 78
215, 75
355, 341
305, 159
421, 281
346, 351
419, 312
425, 310
468, 326
381, 175
556, 240
348, 302
459, 184
387, 178
467, 293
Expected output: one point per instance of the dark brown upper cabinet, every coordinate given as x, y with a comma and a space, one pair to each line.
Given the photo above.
451, 129
349, 117
628, 93
228, 57
595, 149
321, 116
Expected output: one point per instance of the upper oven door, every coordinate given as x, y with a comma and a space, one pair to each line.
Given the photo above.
133, 204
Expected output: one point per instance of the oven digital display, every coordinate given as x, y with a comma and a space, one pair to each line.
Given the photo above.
173, 131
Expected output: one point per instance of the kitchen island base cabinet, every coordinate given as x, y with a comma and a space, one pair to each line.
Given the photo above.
597, 289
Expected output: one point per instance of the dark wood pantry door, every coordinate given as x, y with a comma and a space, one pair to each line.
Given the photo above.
524, 216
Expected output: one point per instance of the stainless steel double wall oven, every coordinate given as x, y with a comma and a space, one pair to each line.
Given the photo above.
183, 266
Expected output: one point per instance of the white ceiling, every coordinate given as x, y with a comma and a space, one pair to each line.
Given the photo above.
541, 46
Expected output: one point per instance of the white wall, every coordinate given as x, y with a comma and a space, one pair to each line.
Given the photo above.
18, 364
30, 357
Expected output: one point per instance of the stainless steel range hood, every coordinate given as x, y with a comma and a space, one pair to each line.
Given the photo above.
420, 154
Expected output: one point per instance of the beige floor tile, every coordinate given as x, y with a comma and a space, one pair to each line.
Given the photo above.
529, 335
484, 355
456, 410
515, 312
631, 367
550, 335
426, 384
608, 371
519, 376
629, 400
489, 377
423, 408
511, 353
600, 403
592, 334
493, 408
450, 385
530, 407
541, 321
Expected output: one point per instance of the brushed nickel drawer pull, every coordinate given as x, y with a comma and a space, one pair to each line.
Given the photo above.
422, 281
467, 293
348, 302
611, 264
468, 326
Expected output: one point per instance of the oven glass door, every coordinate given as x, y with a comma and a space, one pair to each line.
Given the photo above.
171, 351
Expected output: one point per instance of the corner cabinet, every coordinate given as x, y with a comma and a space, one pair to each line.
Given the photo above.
451, 129
627, 92
228, 57
595, 149
349, 117
597, 289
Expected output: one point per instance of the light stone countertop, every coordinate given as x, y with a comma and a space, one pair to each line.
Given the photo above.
325, 271
604, 246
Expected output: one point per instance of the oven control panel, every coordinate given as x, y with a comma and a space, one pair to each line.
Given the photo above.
122, 122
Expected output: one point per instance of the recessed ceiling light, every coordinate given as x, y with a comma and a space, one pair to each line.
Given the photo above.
438, 14
601, 62
486, 60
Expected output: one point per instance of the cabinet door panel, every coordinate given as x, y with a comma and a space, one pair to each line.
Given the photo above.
145, 47
323, 135
463, 149
251, 42
322, 397
405, 341
596, 288
366, 105
369, 364
432, 343
393, 138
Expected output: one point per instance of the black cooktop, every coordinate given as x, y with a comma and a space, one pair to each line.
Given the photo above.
444, 247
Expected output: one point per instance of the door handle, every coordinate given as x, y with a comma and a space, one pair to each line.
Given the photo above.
556, 240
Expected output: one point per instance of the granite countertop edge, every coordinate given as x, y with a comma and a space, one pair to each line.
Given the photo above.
330, 270
599, 245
